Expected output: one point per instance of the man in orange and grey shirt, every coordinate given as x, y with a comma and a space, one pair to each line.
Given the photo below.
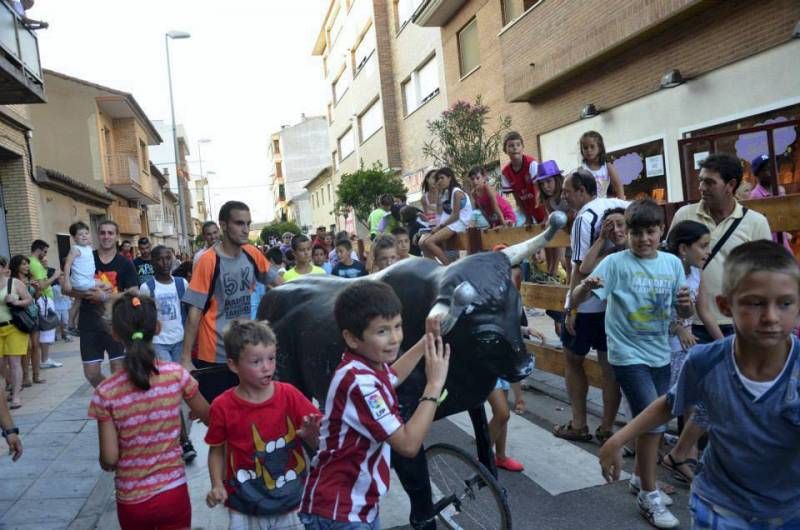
222, 282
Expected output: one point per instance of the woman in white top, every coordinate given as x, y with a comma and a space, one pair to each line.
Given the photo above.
593, 152
455, 217
13, 342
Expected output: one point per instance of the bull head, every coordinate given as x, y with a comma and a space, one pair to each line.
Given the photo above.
463, 295
517, 253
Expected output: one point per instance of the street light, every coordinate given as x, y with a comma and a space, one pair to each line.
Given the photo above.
200, 142
181, 213
210, 199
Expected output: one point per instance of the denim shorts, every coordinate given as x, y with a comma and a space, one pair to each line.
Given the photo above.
707, 516
642, 385
315, 522
502, 384
590, 332
169, 352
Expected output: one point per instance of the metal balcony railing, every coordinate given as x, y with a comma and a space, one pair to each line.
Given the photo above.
19, 43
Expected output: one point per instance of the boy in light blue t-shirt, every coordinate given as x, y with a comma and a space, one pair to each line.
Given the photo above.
641, 286
749, 477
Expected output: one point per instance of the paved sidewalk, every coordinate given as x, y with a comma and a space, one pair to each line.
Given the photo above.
58, 482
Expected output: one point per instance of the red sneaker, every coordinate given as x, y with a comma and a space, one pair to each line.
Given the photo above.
509, 464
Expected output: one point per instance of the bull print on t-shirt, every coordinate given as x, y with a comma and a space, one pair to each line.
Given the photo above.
276, 485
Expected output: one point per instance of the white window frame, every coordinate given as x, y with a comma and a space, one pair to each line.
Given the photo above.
351, 132
338, 94
408, 12
373, 109
464, 72
360, 56
413, 96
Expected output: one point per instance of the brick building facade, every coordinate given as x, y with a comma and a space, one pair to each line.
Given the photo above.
542, 67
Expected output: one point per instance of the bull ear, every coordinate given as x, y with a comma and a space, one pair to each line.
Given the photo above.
463, 295
517, 253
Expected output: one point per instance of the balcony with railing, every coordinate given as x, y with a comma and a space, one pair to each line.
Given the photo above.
125, 178
21, 79
128, 219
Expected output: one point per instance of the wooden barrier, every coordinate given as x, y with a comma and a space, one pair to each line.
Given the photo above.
553, 361
783, 213
487, 239
543, 296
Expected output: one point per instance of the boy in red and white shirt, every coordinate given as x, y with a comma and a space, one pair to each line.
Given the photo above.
517, 177
362, 421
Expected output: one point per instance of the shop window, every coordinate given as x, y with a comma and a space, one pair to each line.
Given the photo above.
775, 134
468, 47
643, 170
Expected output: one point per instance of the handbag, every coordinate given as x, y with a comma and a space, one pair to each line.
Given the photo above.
20, 317
48, 319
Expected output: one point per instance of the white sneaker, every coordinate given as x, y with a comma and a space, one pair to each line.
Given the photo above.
652, 508
634, 486
50, 363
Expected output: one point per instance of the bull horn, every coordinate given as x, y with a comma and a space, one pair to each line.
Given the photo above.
517, 253
463, 295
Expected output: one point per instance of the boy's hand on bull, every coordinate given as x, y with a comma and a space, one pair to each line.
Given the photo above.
309, 430
437, 361
593, 282
433, 325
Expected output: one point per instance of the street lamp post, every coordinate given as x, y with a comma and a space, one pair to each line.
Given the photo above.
203, 178
181, 203
210, 200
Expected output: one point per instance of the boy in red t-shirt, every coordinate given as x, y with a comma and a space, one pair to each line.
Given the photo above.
256, 460
518, 177
362, 421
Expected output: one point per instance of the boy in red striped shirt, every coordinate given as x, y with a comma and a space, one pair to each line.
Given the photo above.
362, 422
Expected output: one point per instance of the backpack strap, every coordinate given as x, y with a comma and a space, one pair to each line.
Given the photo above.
215, 275
724, 239
180, 287
151, 285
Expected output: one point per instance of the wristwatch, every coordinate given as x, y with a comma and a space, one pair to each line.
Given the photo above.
12, 430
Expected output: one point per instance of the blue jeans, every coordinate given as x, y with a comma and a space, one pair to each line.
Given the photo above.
169, 352
642, 385
707, 516
315, 522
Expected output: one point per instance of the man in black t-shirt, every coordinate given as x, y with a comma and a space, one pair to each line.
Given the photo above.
143, 264
119, 275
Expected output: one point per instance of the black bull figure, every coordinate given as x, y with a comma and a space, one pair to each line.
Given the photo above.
481, 311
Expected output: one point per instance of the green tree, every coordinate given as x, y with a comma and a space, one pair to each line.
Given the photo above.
361, 190
459, 139
277, 229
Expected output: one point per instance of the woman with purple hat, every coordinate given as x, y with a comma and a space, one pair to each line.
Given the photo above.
549, 180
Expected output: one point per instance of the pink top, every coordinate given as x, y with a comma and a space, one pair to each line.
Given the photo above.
484, 202
760, 192
148, 424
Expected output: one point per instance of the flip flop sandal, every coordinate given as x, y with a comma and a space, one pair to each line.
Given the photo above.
519, 407
567, 432
13, 405
602, 435
39, 381
670, 464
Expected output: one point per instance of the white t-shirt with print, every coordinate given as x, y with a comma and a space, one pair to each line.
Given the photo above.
169, 310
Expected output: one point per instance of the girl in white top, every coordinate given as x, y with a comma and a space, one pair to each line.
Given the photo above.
455, 217
690, 241
593, 152
430, 197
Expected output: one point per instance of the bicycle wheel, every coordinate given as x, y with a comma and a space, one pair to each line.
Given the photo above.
472, 497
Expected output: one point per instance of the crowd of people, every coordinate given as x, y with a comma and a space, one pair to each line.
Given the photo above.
695, 319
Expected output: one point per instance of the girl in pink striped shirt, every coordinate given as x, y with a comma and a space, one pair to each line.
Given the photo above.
138, 415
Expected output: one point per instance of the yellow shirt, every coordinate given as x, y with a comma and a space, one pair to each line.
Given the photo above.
292, 273
753, 227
